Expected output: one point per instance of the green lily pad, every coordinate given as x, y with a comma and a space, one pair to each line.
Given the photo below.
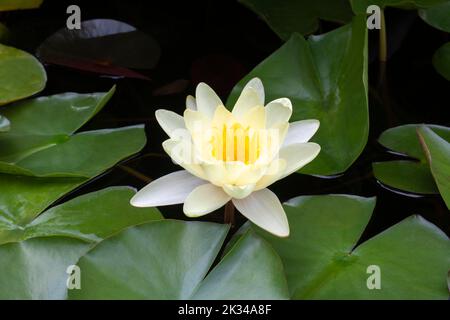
36, 268
441, 61
437, 151
21, 75
22, 198
360, 6
250, 270
169, 259
90, 217
329, 87
407, 175
437, 16
103, 148
302, 16
10, 5
323, 259
41, 141
4, 124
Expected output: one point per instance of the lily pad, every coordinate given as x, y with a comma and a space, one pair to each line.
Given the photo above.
42, 143
10, 5
91, 217
437, 151
323, 259
102, 46
360, 6
21, 75
302, 16
4, 124
441, 60
437, 16
413, 174
36, 268
329, 87
169, 260
22, 198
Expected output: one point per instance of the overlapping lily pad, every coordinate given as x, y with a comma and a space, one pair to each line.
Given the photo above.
90, 217
441, 60
437, 16
437, 151
169, 260
360, 6
323, 259
302, 16
21, 75
41, 159
329, 87
36, 268
412, 174
42, 141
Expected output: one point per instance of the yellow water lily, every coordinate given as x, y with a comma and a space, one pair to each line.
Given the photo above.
231, 156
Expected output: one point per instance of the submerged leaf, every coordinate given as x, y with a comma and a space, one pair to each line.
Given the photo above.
102, 46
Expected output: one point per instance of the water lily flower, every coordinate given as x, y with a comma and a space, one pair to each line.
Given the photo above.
231, 156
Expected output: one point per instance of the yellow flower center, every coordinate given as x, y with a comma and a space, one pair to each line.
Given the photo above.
235, 142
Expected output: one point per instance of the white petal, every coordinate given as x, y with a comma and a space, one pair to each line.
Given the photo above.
264, 209
301, 131
238, 192
190, 103
255, 118
207, 100
278, 111
204, 199
195, 121
182, 153
170, 189
298, 155
169, 121
251, 96
274, 173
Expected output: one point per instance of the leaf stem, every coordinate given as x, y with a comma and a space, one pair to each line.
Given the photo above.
135, 173
229, 213
383, 42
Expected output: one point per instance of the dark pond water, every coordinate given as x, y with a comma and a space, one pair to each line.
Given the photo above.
219, 42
